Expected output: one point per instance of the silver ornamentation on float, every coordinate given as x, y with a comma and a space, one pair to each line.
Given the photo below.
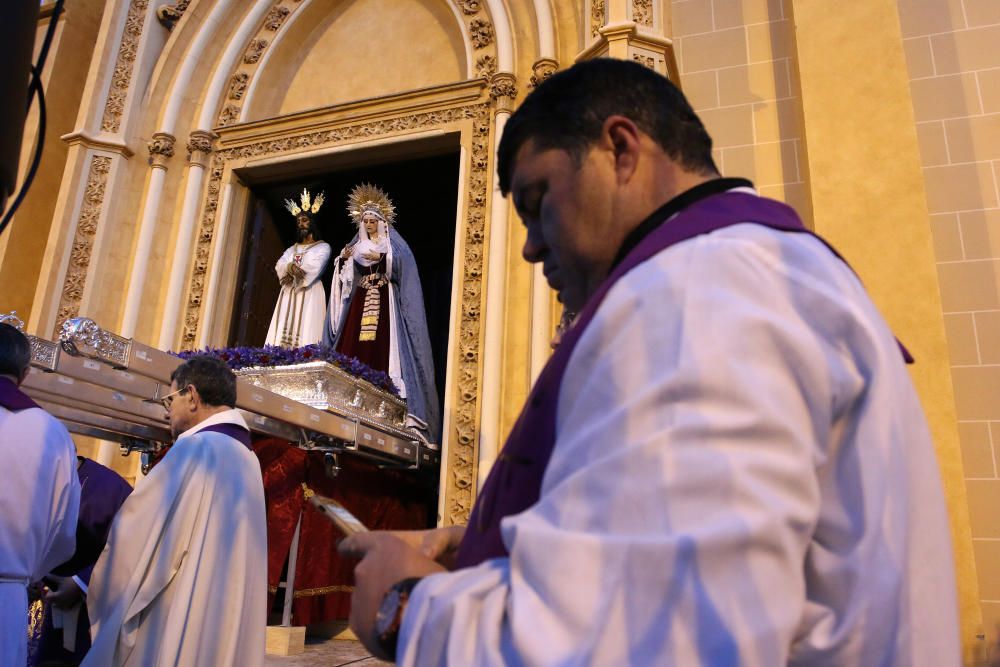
82, 337
324, 386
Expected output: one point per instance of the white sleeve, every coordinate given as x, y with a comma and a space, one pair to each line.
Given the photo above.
314, 262
679, 502
66, 497
282, 265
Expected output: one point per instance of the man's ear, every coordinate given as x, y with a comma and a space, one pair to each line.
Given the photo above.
196, 401
624, 137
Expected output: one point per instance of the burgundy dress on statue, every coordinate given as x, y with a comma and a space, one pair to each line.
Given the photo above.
366, 334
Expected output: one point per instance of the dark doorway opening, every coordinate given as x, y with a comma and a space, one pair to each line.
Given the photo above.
424, 191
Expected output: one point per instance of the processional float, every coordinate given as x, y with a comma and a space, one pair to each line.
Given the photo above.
103, 385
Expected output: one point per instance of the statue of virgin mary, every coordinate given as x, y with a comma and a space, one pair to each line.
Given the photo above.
377, 308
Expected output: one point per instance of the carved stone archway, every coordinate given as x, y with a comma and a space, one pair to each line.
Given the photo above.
467, 106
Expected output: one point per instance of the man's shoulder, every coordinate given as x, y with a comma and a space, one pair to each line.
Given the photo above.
37, 420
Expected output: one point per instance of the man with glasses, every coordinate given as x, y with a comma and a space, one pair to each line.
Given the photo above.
183, 578
39, 495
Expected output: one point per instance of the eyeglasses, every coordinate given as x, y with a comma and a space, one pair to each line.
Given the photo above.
167, 401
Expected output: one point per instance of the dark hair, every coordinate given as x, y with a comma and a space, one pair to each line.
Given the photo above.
569, 108
15, 351
215, 382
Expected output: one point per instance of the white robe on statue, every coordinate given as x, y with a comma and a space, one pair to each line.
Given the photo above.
300, 311
742, 475
183, 578
39, 502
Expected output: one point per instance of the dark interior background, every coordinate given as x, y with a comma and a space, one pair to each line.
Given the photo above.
424, 191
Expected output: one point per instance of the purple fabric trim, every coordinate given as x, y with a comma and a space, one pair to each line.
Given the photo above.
12, 398
234, 431
514, 484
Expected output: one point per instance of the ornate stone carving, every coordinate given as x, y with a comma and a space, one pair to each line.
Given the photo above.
460, 487
470, 6
647, 61
486, 66
161, 147
503, 90
229, 115
254, 51
276, 17
238, 85
114, 106
83, 239
642, 12
199, 146
541, 70
481, 33
169, 15
598, 12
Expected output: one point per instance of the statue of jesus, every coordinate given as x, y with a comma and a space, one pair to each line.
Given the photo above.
301, 309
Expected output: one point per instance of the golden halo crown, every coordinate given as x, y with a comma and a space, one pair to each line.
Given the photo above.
307, 203
367, 197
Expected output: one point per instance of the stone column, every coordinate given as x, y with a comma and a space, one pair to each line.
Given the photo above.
503, 91
161, 149
199, 151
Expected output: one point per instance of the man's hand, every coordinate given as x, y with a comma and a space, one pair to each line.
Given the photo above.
385, 560
347, 251
63, 591
438, 544
287, 279
296, 271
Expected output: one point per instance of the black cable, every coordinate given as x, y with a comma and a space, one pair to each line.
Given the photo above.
36, 89
36, 86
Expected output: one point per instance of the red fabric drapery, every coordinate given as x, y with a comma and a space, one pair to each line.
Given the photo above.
381, 499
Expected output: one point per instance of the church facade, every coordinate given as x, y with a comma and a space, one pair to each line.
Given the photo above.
174, 127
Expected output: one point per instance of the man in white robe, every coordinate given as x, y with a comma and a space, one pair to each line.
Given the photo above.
39, 495
300, 313
723, 463
183, 578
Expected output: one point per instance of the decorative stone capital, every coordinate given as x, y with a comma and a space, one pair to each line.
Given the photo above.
161, 147
541, 70
200, 146
503, 90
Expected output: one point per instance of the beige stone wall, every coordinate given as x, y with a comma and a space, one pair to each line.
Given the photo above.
953, 57
735, 60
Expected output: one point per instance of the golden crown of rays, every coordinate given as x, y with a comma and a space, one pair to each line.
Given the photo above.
307, 203
367, 197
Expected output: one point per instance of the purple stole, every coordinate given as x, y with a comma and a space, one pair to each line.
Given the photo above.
12, 398
514, 484
234, 431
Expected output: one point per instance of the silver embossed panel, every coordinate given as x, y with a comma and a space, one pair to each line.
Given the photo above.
324, 386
